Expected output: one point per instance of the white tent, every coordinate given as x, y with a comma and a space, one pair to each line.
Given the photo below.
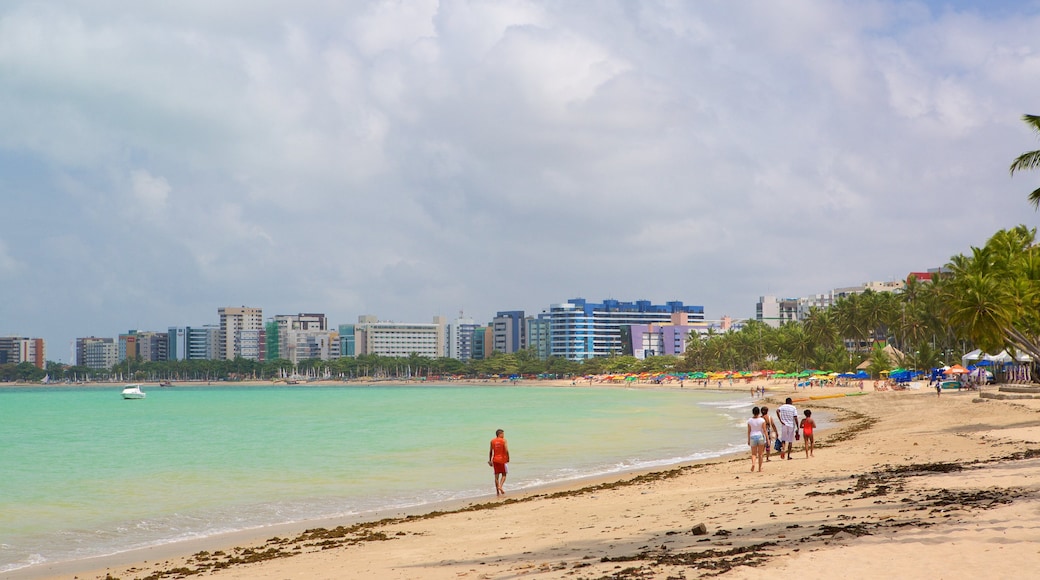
1004, 357
971, 357
999, 358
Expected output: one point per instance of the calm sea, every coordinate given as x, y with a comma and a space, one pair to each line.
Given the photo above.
84, 473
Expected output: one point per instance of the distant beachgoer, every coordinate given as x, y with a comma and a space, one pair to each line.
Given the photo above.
498, 457
808, 442
788, 415
756, 437
771, 432
938, 388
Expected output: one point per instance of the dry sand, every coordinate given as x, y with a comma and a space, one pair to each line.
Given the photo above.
910, 485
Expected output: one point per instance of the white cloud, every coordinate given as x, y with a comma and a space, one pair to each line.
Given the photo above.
9, 266
150, 193
410, 158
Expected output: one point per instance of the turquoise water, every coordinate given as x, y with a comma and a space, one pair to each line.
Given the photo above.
85, 473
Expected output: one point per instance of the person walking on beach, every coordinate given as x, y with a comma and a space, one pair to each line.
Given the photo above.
771, 432
756, 437
788, 415
808, 442
498, 457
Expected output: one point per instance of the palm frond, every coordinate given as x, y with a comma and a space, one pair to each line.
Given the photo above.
1033, 121
1034, 198
1029, 160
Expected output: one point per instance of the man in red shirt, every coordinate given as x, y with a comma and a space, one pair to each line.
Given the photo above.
498, 457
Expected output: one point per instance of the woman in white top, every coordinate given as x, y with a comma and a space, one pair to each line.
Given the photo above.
756, 437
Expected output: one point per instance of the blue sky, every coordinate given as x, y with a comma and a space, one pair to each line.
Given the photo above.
413, 159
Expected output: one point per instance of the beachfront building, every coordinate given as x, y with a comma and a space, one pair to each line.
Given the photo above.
538, 336
582, 330
152, 346
509, 331
818, 301
241, 333
894, 286
298, 337
776, 311
400, 339
176, 343
660, 338
192, 342
127, 345
460, 338
96, 353
482, 339
347, 340
16, 350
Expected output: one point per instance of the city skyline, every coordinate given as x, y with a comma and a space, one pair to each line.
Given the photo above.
422, 158
314, 320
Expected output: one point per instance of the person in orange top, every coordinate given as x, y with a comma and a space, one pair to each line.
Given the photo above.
498, 457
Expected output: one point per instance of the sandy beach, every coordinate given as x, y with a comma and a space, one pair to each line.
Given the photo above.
908, 485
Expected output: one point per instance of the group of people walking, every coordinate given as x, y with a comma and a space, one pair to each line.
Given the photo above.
763, 433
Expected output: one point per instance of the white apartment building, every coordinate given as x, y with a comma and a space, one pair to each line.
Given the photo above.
299, 337
776, 311
400, 339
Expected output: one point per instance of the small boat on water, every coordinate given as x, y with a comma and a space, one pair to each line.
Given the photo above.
133, 392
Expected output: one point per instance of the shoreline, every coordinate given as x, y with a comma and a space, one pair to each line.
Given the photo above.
889, 419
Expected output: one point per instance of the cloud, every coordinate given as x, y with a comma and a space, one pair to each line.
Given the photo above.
149, 193
8, 265
408, 159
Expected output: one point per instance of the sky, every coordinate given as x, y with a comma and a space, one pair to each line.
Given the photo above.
412, 159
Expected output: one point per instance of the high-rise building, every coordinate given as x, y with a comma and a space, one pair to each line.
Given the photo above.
347, 340
776, 311
96, 353
193, 342
660, 338
152, 346
538, 335
581, 330
460, 338
128, 345
509, 331
400, 338
16, 350
203, 342
482, 339
298, 337
241, 333
144, 345
177, 343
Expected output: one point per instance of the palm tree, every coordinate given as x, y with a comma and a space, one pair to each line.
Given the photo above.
1030, 159
993, 297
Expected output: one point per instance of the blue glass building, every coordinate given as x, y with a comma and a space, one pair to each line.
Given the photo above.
580, 330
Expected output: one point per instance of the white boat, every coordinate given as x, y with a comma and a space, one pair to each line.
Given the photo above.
133, 392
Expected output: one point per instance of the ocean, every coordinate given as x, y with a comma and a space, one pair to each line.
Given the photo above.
85, 473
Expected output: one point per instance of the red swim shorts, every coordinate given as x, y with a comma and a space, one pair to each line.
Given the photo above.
499, 468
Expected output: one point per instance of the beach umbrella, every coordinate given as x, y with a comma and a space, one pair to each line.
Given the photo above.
955, 370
